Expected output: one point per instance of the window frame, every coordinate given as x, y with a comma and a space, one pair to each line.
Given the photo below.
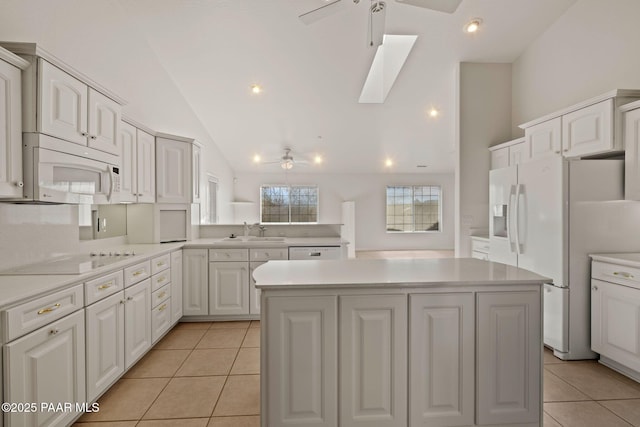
289, 206
412, 186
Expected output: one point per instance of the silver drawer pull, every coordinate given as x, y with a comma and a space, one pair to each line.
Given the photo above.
315, 254
623, 274
54, 331
105, 286
49, 309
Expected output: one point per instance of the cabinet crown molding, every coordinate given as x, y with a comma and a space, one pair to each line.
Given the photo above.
33, 49
13, 59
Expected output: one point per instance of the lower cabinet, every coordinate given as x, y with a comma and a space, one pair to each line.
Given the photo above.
137, 314
397, 361
47, 365
176, 286
105, 343
195, 275
254, 293
228, 288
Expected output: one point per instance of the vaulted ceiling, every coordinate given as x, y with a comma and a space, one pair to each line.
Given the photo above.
186, 67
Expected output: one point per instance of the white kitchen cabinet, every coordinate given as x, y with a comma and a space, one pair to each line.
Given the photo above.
137, 164
509, 371
145, 167
137, 337
176, 286
11, 181
441, 359
69, 109
177, 174
631, 121
509, 153
589, 130
228, 288
480, 247
303, 353
545, 139
195, 285
160, 320
48, 365
373, 355
105, 327
254, 293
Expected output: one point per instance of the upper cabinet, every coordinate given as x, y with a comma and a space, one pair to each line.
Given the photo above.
631, 120
137, 162
177, 170
11, 181
509, 153
591, 128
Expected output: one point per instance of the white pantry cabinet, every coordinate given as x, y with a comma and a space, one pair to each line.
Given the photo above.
69, 109
631, 119
176, 286
545, 139
509, 153
195, 275
137, 336
137, 161
48, 365
177, 170
615, 316
11, 181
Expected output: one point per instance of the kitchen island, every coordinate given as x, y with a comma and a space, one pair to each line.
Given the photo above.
437, 342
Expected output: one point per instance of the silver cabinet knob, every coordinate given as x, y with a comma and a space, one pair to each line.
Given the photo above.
594, 287
93, 137
54, 331
84, 134
19, 184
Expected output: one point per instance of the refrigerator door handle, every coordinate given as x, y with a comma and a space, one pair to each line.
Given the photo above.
512, 196
517, 215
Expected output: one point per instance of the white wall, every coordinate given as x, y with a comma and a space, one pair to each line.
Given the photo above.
483, 119
589, 50
368, 192
214, 164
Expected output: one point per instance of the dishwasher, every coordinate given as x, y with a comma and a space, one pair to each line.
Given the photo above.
315, 252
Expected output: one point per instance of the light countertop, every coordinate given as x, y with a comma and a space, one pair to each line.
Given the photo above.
390, 272
628, 259
288, 241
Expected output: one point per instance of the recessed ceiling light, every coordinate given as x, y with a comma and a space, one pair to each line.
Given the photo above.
317, 159
256, 158
473, 25
256, 88
433, 112
388, 163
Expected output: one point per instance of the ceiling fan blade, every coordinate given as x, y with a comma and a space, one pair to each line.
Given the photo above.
448, 6
331, 7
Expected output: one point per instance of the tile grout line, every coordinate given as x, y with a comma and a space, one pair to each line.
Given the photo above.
614, 414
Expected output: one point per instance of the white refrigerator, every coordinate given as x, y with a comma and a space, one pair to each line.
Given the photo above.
546, 216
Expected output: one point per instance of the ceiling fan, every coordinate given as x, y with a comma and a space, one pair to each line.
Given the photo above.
287, 162
328, 7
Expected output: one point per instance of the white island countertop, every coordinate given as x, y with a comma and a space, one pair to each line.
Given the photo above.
390, 272
254, 242
631, 259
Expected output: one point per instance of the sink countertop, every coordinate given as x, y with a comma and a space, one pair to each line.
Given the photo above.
631, 259
390, 273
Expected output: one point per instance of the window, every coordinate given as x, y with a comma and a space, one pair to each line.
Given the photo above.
289, 203
212, 202
414, 208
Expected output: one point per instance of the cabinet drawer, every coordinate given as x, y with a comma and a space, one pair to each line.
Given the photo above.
96, 289
160, 279
136, 273
30, 316
478, 245
160, 263
160, 320
228, 254
629, 276
268, 253
161, 295
480, 255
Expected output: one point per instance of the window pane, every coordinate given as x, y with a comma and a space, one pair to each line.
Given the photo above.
289, 204
413, 208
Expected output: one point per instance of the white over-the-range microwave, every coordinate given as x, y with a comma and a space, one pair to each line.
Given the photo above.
57, 171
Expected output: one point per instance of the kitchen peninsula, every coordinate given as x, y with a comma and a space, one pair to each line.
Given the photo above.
400, 343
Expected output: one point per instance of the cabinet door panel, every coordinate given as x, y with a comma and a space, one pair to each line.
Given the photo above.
616, 322
195, 285
47, 365
373, 343
196, 173
173, 171
301, 355
519, 153
500, 158
545, 139
137, 317
105, 343
146, 167
63, 104
588, 130
10, 132
509, 371
176, 286
632, 155
441, 360
228, 288
104, 122
128, 155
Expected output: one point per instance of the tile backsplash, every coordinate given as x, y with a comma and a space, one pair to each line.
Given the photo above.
32, 233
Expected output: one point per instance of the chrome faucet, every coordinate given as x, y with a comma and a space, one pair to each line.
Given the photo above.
262, 230
248, 227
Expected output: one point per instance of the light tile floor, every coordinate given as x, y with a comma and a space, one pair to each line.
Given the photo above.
208, 375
